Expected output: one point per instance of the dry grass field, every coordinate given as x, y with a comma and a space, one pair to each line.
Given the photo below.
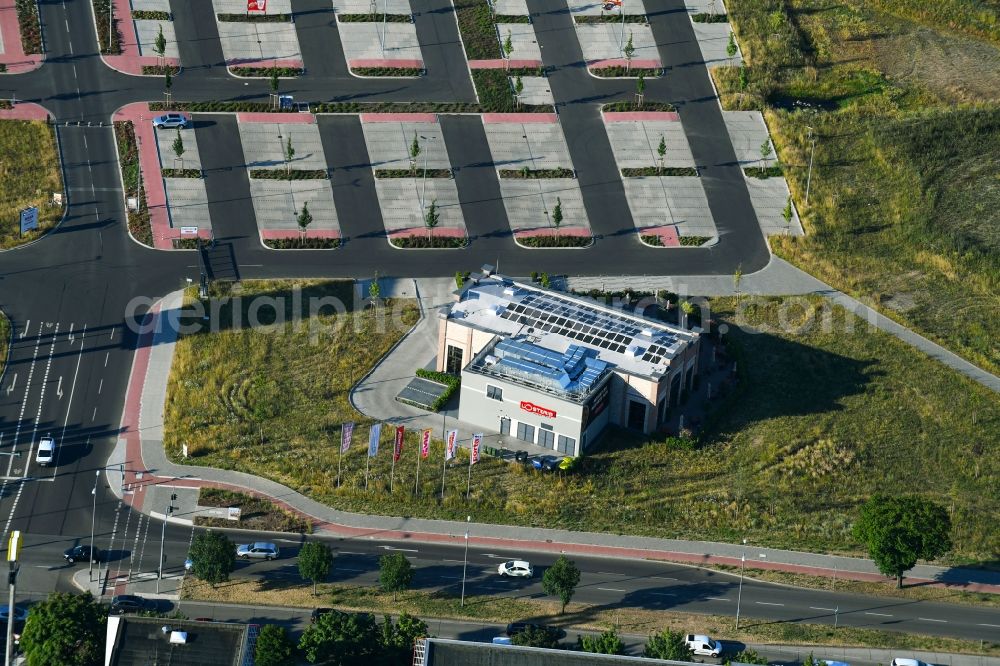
29, 174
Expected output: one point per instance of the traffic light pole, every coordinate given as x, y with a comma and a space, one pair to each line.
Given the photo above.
13, 546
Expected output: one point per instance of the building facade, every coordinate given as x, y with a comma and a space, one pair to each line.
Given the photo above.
554, 369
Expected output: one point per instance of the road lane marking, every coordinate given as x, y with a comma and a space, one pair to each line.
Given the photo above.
25, 331
106, 356
717, 598
609, 573
879, 614
12, 384
663, 578
832, 610
456, 561
610, 589
94, 415
930, 619
100, 386
768, 603
41, 398
347, 552
402, 550
995, 626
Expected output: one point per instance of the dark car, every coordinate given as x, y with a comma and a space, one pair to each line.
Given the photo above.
515, 628
521, 456
130, 603
82, 554
550, 463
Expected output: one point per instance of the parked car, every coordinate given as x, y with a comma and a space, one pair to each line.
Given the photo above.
20, 613
46, 452
703, 645
171, 120
906, 661
258, 551
550, 463
830, 662
516, 568
130, 603
521, 456
82, 553
515, 628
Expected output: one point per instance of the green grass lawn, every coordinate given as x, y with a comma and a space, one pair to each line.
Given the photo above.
29, 174
823, 421
904, 199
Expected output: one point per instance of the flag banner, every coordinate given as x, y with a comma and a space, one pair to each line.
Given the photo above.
425, 443
477, 439
452, 445
346, 432
373, 437
397, 448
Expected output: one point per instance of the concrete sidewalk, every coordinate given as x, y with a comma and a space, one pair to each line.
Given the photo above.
145, 454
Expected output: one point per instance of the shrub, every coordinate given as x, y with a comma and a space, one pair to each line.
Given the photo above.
555, 241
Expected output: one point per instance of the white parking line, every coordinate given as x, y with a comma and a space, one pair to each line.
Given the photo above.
832, 610
930, 619
768, 603
717, 598
879, 614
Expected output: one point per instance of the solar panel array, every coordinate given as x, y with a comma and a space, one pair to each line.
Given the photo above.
576, 371
605, 330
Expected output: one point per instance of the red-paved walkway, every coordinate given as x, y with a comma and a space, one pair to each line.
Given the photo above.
152, 180
443, 531
13, 51
25, 111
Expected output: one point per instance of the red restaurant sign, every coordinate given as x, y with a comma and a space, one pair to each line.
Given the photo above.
256, 5
536, 409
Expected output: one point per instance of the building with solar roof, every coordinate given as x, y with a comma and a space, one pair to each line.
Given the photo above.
553, 369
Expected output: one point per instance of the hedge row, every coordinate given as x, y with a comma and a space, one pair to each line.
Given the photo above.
416, 173
611, 18
694, 240
27, 21
190, 243
710, 18
618, 71
434, 242
286, 174
267, 72
148, 15
555, 241
657, 171
101, 10
634, 106
388, 71
374, 18
160, 70
537, 173
138, 221
452, 382
302, 243
254, 18
180, 173
762, 173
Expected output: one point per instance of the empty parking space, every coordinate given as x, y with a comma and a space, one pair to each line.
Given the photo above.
662, 201
277, 204
530, 204
533, 145
748, 132
147, 32
636, 144
257, 42
187, 202
403, 215
390, 143
378, 44
713, 40
264, 146
607, 41
522, 40
769, 197
189, 159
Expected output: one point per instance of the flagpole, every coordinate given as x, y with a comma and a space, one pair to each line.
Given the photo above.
368, 461
340, 456
444, 468
420, 446
468, 482
392, 472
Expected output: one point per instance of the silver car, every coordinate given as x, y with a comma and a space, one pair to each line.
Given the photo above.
258, 551
171, 120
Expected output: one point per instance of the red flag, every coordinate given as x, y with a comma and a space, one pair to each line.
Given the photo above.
397, 449
474, 454
425, 443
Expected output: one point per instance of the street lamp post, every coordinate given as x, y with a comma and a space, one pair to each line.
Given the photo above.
13, 548
739, 596
163, 536
93, 522
531, 158
465, 564
423, 183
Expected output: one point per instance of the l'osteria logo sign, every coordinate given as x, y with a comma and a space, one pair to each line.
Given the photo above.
537, 409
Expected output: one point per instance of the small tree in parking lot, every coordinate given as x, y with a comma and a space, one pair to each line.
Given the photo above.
561, 580
731, 47
395, 573
160, 46
178, 147
661, 152
628, 51
605, 643
667, 645
315, 562
213, 557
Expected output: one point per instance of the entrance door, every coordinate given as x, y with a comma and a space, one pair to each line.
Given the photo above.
636, 415
453, 363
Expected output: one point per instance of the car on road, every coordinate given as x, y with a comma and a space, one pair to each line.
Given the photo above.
130, 603
258, 551
20, 613
82, 553
830, 662
906, 661
171, 120
703, 645
46, 451
516, 568
515, 628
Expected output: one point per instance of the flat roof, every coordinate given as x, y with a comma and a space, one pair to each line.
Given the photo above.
446, 652
558, 322
142, 641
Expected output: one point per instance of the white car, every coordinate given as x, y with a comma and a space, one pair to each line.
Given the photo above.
906, 661
46, 452
703, 645
516, 568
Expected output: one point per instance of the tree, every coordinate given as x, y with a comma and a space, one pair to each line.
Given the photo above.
304, 219
518, 89
898, 531
731, 48
537, 636
605, 643
557, 215
414, 153
213, 556
396, 640
765, 152
315, 562
289, 154
640, 88
737, 279
459, 279
744, 76
661, 151
273, 648
628, 51
508, 48
688, 309
275, 82
431, 218
747, 656
561, 580
178, 147
65, 629
787, 212
395, 573
375, 290
160, 44
340, 638
667, 644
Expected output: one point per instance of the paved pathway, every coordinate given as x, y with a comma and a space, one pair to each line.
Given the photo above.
143, 434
